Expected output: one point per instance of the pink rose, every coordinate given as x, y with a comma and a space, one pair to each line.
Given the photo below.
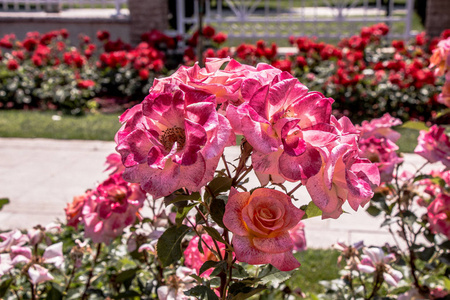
284, 124
383, 153
224, 83
173, 139
438, 214
194, 259
380, 128
298, 237
441, 57
434, 145
75, 208
110, 208
343, 176
260, 223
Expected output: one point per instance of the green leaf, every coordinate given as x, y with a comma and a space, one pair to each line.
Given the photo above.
126, 275
3, 201
426, 254
220, 267
277, 277
311, 210
447, 283
182, 213
220, 185
207, 265
214, 234
217, 208
179, 198
373, 210
241, 290
239, 271
4, 287
169, 244
202, 292
54, 293
414, 125
127, 295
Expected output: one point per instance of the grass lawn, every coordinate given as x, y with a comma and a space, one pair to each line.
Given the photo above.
103, 127
317, 265
36, 124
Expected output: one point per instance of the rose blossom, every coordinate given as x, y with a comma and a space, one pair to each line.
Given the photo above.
374, 261
284, 124
260, 223
172, 140
75, 208
225, 84
380, 128
52, 255
343, 174
298, 237
194, 259
441, 57
439, 216
111, 208
434, 145
383, 153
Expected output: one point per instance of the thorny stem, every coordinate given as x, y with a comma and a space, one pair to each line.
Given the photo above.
248, 170
246, 150
33, 291
207, 224
226, 165
72, 274
294, 189
362, 283
199, 235
412, 256
91, 272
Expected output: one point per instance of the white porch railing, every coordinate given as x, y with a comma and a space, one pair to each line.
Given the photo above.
282, 18
39, 5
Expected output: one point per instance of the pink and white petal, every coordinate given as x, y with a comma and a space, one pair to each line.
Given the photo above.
204, 114
5, 263
191, 176
266, 163
284, 261
157, 183
259, 135
333, 159
375, 254
301, 167
195, 139
54, 255
134, 148
279, 244
366, 269
246, 252
390, 279
219, 139
327, 200
39, 274
259, 103
232, 218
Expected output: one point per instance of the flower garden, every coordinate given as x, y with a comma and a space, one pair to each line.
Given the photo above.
177, 218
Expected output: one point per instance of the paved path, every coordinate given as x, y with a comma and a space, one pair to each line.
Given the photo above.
40, 176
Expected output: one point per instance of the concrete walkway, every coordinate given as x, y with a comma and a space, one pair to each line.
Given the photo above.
40, 176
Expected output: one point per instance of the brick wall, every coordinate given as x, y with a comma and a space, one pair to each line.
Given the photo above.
438, 17
146, 15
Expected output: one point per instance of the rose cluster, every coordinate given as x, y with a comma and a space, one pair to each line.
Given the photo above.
108, 209
174, 139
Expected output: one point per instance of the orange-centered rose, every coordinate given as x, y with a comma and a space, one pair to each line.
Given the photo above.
260, 223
